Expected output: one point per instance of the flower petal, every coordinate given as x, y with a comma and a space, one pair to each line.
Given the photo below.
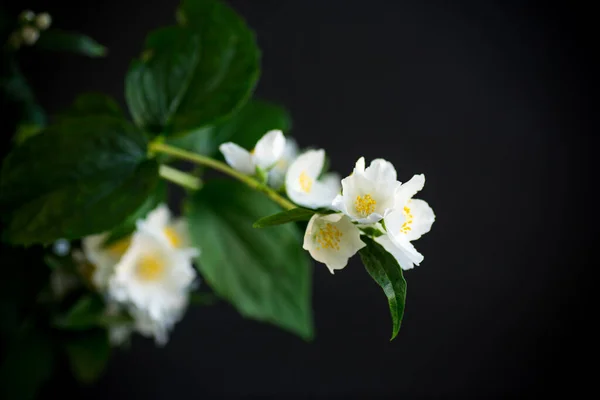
359, 167
408, 189
381, 170
423, 218
238, 158
269, 149
399, 255
159, 217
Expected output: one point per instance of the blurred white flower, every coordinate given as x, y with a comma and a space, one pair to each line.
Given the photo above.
104, 258
266, 153
332, 239
301, 182
30, 35
410, 219
277, 173
161, 221
158, 329
43, 21
142, 323
368, 194
153, 276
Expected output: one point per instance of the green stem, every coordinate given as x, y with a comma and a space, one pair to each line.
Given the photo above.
179, 177
224, 168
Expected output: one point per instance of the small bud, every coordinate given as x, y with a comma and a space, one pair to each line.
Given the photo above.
30, 35
43, 21
61, 247
26, 16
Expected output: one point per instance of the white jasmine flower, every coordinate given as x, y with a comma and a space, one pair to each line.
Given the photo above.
277, 173
410, 219
176, 230
43, 21
152, 275
104, 258
266, 153
368, 194
301, 182
332, 239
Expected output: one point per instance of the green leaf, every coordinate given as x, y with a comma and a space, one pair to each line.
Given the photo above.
57, 40
128, 226
79, 177
195, 74
92, 104
369, 231
88, 353
266, 275
384, 270
245, 127
296, 214
27, 364
84, 314
26, 130
89, 312
18, 98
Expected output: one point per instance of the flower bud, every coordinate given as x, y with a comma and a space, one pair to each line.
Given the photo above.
26, 16
43, 21
30, 35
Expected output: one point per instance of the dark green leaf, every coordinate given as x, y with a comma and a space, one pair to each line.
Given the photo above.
384, 270
92, 104
266, 275
26, 366
125, 228
57, 40
199, 141
88, 312
26, 130
195, 74
88, 353
296, 214
79, 177
83, 315
19, 102
372, 232
245, 127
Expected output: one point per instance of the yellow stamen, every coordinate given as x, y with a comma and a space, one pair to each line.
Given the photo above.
305, 182
150, 268
173, 237
329, 237
406, 225
365, 205
119, 248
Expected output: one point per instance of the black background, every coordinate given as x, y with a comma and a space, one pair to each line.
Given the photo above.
490, 101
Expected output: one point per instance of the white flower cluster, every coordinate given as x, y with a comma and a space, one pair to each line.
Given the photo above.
30, 26
149, 274
371, 199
